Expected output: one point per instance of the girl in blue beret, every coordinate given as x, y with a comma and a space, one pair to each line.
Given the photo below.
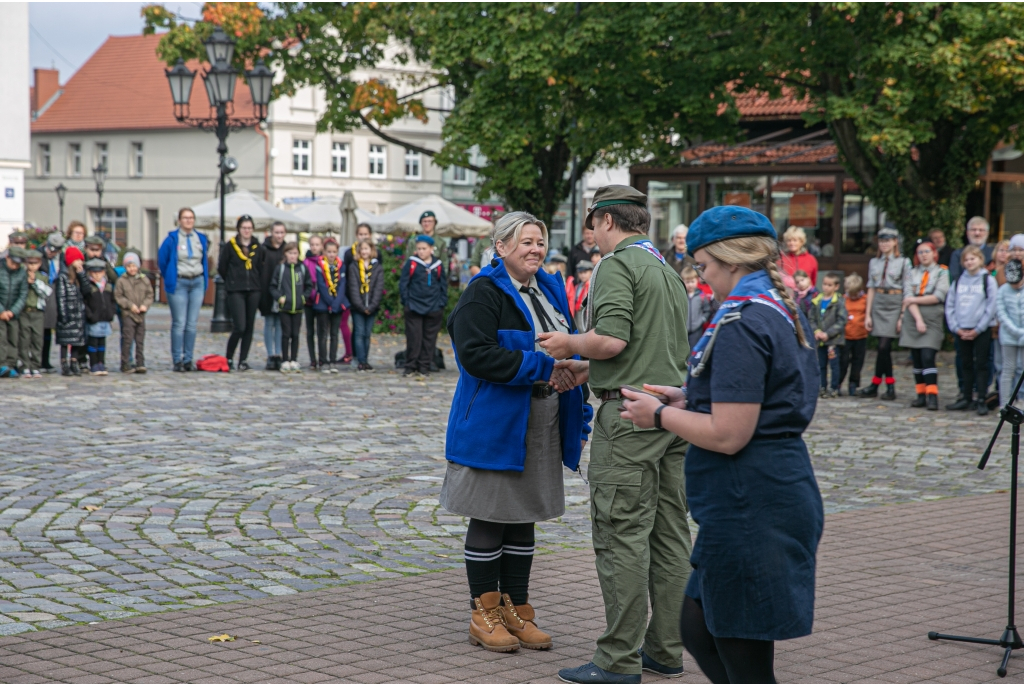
751, 393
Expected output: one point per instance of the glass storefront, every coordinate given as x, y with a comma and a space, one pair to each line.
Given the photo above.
806, 202
860, 221
742, 191
671, 203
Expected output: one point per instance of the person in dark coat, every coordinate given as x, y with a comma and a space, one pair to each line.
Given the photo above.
53, 264
71, 312
13, 292
239, 268
365, 292
268, 256
581, 251
290, 288
424, 293
100, 310
330, 302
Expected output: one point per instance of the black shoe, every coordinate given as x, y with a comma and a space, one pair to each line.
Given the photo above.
407, 373
127, 368
869, 391
188, 366
368, 367
982, 409
178, 367
890, 392
243, 365
591, 673
852, 392
76, 370
652, 666
919, 402
960, 405
231, 365
932, 402
65, 369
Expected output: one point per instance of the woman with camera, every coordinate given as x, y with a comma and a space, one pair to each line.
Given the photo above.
922, 326
509, 431
752, 391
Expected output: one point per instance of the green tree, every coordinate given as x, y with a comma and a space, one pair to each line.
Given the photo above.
916, 96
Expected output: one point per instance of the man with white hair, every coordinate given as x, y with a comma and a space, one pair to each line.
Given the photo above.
977, 235
675, 254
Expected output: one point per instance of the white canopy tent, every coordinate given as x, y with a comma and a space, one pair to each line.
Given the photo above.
242, 202
452, 220
324, 215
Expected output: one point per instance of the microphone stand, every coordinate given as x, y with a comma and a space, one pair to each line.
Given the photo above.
1010, 639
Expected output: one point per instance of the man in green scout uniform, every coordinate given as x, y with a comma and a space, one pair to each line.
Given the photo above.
637, 501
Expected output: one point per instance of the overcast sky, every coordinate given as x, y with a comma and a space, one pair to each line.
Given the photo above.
63, 35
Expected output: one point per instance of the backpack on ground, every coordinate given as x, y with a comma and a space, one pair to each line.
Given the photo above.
213, 362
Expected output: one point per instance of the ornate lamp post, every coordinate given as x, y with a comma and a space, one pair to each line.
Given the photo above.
62, 192
220, 79
99, 174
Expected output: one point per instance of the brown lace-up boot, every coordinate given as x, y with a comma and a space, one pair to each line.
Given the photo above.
520, 623
487, 626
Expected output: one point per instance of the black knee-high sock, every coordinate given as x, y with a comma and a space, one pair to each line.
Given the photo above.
483, 570
93, 350
517, 546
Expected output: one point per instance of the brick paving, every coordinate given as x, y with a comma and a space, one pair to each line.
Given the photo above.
887, 575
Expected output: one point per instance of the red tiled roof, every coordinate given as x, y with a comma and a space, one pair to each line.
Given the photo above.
757, 105
123, 87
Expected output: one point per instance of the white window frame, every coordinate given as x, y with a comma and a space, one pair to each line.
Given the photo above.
341, 159
74, 159
414, 160
103, 156
137, 160
378, 157
460, 175
302, 157
45, 160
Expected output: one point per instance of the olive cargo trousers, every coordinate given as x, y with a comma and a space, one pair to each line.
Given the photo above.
641, 540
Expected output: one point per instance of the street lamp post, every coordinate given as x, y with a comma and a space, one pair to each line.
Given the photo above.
62, 192
99, 174
220, 79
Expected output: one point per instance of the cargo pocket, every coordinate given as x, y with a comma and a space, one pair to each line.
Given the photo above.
615, 502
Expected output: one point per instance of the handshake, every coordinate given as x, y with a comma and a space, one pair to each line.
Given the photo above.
568, 374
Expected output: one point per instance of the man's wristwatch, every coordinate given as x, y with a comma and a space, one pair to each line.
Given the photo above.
657, 417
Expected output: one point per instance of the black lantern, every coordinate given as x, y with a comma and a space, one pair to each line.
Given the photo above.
99, 174
62, 192
261, 80
220, 85
219, 48
181, 79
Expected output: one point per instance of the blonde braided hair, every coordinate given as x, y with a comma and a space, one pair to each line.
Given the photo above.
758, 253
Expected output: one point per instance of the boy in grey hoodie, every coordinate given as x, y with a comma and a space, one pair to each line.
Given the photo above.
970, 311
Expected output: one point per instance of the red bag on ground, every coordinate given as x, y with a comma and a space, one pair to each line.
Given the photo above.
214, 363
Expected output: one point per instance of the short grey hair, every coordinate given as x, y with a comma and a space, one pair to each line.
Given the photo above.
681, 228
509, 227
978, 221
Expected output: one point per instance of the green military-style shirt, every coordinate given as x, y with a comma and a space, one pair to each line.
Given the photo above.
642, 301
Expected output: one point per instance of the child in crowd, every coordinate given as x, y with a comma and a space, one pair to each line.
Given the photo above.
30, 324
312, 260
71, 312
424, 293
365, 292
970, 310
100, 310
828, 320
134, 295
700, 306
851, 354
331, 302
577, 287
1010, 312
805, 291
290, 287
13, 292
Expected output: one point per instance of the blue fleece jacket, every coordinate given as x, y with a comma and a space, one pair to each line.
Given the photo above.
167, 260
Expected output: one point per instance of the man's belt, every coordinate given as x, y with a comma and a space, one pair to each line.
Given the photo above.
889, 291
542, 390
609, 395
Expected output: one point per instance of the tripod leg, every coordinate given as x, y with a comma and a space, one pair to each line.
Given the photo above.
1001, 671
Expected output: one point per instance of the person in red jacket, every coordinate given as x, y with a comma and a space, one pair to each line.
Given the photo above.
796, 257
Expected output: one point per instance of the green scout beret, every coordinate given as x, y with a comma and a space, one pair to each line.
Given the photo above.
32, 254
96, 265
18, 235
607, 196
95, 240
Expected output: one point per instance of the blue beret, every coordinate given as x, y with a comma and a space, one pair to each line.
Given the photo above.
722, 223
425, 239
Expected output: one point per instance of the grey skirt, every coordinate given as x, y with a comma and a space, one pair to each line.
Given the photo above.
534, 494
885, 312
933, 315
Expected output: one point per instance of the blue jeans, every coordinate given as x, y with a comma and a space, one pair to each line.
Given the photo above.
185, 302
272, 334
363, 324
824, 364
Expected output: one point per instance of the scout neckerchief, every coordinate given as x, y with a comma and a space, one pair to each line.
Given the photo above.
430, 267
754, 288
588, 314
332, 283
364, 276
245, 258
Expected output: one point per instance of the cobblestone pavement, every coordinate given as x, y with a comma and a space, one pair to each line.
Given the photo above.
134, 494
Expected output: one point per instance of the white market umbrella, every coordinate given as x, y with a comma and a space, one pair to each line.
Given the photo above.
452, 220
241, 202
324, 215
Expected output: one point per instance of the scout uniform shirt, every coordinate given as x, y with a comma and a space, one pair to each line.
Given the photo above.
647, 310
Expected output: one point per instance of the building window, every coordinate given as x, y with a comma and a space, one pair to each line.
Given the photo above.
136, 161
412, 166
460, 174
101, 156
300, 157
339, 159
378, 162
44, 159
75, 159
114, 224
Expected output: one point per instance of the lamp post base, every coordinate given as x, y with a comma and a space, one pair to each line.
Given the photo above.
220, 322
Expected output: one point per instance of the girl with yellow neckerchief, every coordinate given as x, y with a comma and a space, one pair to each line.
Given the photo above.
365, 292
239, 268
332, 301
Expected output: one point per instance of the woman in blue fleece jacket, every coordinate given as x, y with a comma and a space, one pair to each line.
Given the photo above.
509, 431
